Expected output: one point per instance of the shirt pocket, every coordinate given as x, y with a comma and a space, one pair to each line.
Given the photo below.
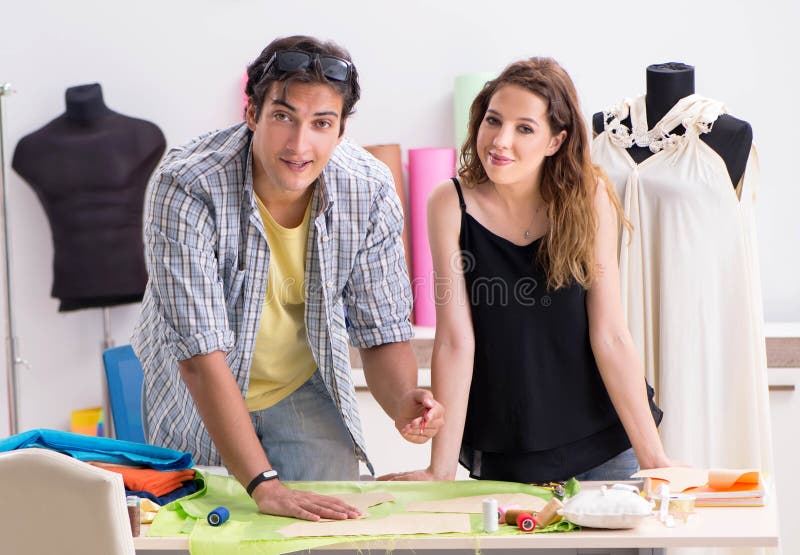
232, 280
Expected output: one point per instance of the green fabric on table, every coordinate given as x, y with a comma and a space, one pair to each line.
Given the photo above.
250, 532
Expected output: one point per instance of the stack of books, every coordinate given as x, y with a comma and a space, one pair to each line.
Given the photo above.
718, 487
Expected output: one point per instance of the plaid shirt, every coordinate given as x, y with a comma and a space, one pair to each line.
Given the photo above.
207, 260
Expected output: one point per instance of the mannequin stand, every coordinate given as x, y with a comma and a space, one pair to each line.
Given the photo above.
12, 359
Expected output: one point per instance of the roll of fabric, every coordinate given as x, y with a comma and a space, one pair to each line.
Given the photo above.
391, 156
427, 167
467, 87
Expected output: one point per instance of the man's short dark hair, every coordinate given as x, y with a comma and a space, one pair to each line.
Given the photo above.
257, 88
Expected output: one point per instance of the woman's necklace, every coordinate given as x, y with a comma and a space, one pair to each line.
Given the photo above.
526, 233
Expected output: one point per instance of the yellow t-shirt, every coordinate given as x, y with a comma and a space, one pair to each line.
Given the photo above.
282, 360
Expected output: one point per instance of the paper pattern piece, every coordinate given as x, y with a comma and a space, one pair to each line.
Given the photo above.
722, 487
679, 478
398, 524
472, 505
363, 501
720, 479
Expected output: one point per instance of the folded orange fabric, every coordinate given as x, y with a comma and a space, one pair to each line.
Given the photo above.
157, 482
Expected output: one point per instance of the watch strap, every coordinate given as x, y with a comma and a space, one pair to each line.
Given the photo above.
265, 476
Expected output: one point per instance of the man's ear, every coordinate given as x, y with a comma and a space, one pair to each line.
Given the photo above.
555, 142
250, 116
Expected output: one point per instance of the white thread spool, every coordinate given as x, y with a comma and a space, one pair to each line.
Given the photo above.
489, 515
663, 494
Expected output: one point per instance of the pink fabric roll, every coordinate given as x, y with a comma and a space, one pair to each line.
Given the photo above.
427, 167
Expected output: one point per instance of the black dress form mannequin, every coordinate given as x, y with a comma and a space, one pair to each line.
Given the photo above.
89, 167
666, 85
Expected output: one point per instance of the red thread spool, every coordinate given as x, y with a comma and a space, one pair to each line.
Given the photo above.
526, 522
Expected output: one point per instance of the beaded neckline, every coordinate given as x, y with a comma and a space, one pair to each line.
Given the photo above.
696, 113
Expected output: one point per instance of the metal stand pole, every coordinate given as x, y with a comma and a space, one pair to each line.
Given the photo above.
108, 343
12, 359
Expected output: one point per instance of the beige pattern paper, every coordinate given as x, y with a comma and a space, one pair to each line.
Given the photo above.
679, 478
473, 504
393, 525
363, 501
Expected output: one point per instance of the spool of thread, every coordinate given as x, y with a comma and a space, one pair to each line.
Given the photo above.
526, 522
549, 513
512, 514
680, 505
501, 512
489, 515
134, 514
218, 516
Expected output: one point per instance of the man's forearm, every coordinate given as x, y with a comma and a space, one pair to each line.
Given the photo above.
391, 372
219, 403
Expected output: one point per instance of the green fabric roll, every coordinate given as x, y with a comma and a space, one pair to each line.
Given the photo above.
249, 532
467, 87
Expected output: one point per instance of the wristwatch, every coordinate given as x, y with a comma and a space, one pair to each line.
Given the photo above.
265, 476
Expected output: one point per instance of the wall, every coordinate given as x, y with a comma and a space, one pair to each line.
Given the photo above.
179, 64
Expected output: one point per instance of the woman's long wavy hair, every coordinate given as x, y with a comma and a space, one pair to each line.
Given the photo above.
569, 181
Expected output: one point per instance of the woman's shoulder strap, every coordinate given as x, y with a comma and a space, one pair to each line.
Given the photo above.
460, 194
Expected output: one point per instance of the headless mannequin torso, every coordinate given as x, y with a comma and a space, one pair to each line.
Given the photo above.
730, 138
89, 168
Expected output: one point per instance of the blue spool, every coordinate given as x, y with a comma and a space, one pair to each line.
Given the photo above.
218, 516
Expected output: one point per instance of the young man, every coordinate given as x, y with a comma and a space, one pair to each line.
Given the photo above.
267, 244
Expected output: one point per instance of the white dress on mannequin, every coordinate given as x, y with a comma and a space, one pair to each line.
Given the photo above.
690, 283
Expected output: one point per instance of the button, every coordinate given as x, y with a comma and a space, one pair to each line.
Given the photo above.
325, 238
329, 284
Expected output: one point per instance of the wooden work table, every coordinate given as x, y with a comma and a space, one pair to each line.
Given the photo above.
708, 527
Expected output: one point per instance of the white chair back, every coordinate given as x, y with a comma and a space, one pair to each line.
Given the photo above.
52, 503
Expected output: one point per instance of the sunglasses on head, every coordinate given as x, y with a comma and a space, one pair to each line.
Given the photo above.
333, 67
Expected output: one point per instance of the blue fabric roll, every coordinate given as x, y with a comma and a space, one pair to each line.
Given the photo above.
100, 449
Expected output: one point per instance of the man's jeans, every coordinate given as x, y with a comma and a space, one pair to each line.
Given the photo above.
305, 437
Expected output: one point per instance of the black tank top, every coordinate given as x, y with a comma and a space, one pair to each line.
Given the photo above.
538, 410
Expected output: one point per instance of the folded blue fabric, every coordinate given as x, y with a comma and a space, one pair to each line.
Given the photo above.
188, 488
101, 449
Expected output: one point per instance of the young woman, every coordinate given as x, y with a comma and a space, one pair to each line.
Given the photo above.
532, 357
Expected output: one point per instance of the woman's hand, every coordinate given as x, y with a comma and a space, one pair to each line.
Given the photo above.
424, 475
662, 462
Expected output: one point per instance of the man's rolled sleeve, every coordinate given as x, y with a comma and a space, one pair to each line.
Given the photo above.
183, 271
378, 294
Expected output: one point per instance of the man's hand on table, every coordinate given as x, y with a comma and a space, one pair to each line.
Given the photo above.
273, 498
419, 416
